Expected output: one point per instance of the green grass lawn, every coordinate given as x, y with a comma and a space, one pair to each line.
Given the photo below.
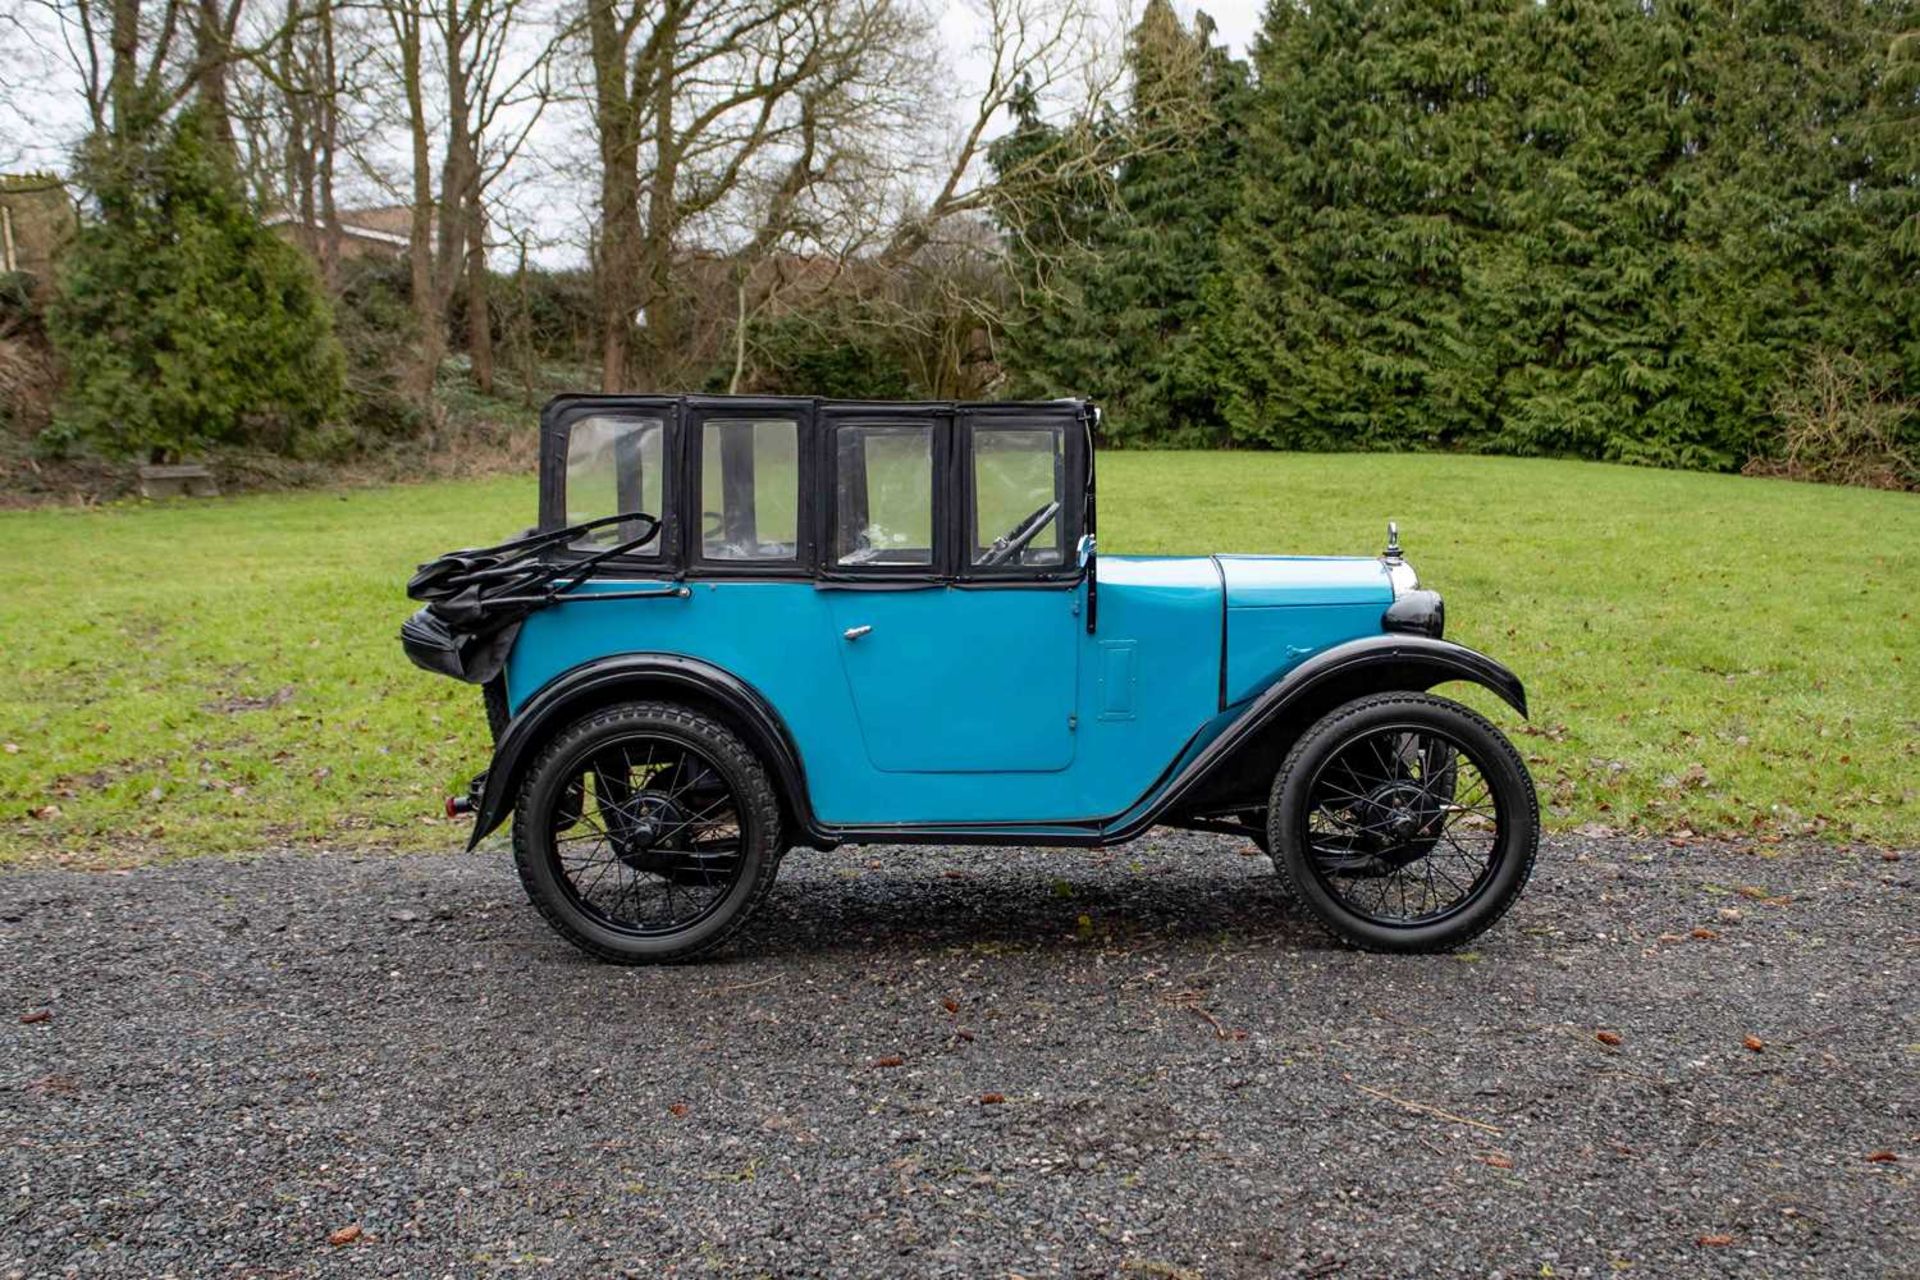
1705, 653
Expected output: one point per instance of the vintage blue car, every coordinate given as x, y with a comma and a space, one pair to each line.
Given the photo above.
745, 625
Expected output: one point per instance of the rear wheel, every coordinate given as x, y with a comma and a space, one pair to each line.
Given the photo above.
1405, 822
646, 832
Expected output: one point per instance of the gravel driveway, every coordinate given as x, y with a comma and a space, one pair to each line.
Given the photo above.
1138, 1063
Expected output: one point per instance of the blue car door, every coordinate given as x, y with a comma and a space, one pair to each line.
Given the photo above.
960, 654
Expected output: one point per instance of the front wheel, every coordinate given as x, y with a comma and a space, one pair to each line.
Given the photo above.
1405, 822
646, 832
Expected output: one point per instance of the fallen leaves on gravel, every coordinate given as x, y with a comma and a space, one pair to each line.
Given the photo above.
1882, 1157
891, 1060
345, 1235
1705, 933
678, 1109
1609, 1038
992, 1099
1498, 1161
1754, 1043
1719, 1240
1155, 1268
38, 1015
52, 1086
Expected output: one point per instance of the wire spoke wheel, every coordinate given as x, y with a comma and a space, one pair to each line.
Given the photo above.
1406, 822
647, 839
646, 832
1402, 825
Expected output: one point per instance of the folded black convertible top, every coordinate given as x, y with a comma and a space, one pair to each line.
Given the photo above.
476, 598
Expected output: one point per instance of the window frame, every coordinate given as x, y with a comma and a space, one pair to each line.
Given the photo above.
556, 435
1072, 468
951, 426
691, 468
938, 423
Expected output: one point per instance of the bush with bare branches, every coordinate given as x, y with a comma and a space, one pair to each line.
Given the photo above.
29, 378
1841, 424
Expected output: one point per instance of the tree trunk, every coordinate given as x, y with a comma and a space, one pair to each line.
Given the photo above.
124, 78
616, 265
656, 248
479, 300
212, 58
301, 130
520, 331
457, 180
327, 113
739, 334
426, 309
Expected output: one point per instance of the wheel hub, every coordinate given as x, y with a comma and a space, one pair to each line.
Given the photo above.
1394, 816
641, 823
1397, 809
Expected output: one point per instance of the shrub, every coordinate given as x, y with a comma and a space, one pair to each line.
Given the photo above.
27, 375
374, 321
828, 352
1840, 424
184, 323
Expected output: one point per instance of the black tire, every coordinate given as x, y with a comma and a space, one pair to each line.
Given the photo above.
553, 798
1320, 847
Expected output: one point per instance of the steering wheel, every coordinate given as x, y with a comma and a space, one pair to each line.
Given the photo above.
1015, 540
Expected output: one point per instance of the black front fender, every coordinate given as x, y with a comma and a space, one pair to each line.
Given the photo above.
1259, 732
667, 676
1394, 662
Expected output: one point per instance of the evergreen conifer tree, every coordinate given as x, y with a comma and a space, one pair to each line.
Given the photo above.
1121, 318
1604, 109
1354, 267
182, 321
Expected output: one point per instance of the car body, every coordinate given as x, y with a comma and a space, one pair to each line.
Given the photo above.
832, 583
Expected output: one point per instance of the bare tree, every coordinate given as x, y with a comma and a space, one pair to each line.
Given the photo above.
145, 57
123, 52
927, 269
473, 79
498, 84
700, 105
310, 79
1053, 53
899, 219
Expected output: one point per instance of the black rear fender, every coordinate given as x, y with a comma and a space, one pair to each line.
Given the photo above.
663, 677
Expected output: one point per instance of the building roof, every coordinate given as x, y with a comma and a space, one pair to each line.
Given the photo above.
385, 224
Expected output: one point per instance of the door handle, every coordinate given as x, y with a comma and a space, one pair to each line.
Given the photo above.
854, 633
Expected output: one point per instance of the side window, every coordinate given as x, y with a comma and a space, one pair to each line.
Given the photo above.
883, 496
614, 466
749, 489
1018, 474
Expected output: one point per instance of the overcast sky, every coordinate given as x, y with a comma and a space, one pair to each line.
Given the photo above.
42, 114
